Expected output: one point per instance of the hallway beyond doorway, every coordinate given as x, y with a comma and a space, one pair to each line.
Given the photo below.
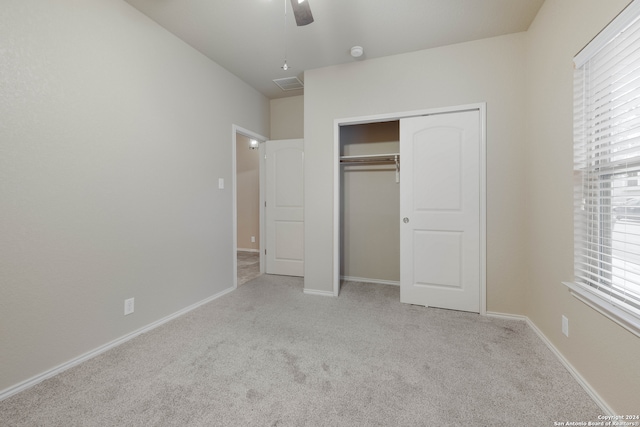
248, 266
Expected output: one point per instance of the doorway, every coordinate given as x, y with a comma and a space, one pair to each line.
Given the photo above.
446, 234
276, 231
248, 201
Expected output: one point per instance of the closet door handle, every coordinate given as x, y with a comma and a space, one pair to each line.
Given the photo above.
405, 220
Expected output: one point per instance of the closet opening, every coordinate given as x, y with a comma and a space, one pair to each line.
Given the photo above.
370, 202
428, 232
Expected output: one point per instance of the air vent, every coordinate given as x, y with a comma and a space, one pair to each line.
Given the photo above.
289, 83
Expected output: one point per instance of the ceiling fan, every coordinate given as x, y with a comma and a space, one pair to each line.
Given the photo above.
302, 12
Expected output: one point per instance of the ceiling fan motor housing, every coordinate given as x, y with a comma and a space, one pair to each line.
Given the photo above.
302, 12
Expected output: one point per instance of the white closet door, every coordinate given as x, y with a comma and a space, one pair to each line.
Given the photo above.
440, 210
285, 207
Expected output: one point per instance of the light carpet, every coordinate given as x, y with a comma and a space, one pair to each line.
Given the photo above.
269, 355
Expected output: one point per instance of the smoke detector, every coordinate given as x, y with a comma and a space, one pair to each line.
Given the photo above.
357, 51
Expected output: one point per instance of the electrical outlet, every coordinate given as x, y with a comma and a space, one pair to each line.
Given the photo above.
565, 326
253, 239
128, 306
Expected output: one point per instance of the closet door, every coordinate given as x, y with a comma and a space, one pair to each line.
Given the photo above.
440, 210
284, 212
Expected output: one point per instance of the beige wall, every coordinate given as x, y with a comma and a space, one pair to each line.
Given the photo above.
248, 193
113, 136
491, 71
605, 354
287, 118
370, 205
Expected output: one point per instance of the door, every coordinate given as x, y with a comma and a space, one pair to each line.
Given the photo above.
284, 212
440, 210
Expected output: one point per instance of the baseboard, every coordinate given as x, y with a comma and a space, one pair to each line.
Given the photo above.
606, 409
8, 392
248, 250
320, 293
579, 378
506, 316
365, 280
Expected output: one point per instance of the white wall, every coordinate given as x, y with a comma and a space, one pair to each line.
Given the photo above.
112, 139
491, 71
604, 354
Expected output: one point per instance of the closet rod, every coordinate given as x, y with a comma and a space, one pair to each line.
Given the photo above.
375, 158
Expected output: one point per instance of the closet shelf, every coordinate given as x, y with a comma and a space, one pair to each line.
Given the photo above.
371, 158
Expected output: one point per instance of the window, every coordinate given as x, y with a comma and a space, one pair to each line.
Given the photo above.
606, 170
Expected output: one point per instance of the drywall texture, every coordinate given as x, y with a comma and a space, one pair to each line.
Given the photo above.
287, 118
247, 193
113, 136
370, 205
491, 71
605, 354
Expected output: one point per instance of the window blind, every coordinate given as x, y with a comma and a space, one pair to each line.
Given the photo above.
607, 163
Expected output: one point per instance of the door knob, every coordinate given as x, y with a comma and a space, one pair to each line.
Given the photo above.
405, 220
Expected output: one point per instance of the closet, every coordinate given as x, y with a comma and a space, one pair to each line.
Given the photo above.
369, 202
426, 231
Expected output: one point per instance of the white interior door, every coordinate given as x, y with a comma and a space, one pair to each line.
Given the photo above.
440, 210
284, 211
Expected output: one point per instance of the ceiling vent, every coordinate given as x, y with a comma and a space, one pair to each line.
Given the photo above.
289, 83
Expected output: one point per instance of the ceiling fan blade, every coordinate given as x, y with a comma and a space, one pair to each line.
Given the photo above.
302, 12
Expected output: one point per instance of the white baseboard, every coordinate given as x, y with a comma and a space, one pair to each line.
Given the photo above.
248, 250
606, 409
8, 392
506, 316
365, 280
320, 293
95, 352
579, 378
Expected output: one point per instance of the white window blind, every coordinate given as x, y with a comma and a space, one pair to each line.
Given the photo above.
607, 164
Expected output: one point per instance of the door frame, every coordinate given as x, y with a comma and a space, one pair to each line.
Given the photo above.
337, 123
235, 130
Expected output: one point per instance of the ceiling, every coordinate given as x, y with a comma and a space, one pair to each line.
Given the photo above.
247, 37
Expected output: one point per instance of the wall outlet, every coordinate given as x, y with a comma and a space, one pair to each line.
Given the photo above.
128, 306
253, 239
565, 326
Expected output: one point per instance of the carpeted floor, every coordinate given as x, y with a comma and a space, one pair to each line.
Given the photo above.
269, 355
